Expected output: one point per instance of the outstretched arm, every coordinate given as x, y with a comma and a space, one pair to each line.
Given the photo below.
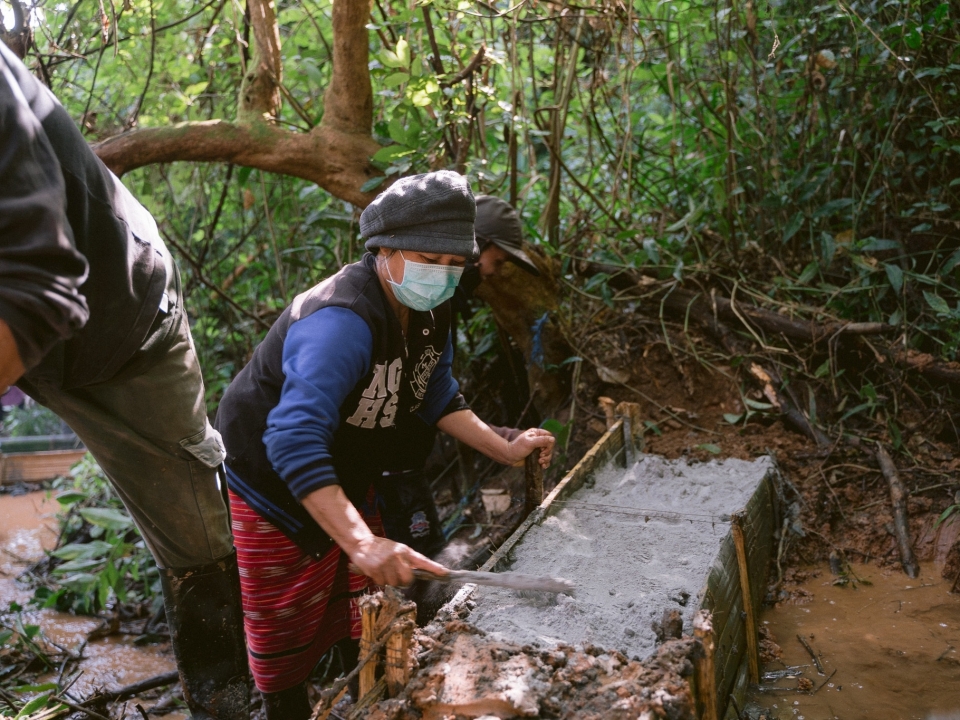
465, 426
384, 561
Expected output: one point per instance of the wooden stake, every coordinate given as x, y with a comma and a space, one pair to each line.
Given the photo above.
368, 634
396, 668
533, 474
901, 520
704, 671
753, 653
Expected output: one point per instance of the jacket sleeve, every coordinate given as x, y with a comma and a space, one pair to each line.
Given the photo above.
443, 391
324, 356
40, 269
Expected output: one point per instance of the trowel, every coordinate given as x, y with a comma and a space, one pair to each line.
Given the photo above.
512, 581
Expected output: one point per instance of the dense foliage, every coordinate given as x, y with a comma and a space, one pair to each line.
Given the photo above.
802, 152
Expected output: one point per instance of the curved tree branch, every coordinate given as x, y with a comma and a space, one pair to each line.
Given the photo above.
335, 155
337, 161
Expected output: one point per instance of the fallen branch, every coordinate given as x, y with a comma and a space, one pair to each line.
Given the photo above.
680, 302
898, 497
128, 691
820, 686
816, 660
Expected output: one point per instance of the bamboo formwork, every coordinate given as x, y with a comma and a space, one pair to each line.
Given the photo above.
721, 595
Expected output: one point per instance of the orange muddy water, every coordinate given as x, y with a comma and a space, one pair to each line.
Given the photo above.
27, 528
888, 650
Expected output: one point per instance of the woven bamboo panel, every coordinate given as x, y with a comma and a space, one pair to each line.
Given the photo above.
37, 466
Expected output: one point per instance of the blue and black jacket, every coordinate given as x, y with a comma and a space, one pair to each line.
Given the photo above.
335, 395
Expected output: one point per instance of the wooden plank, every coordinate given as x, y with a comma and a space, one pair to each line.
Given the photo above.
738, 691
746, 598
37, 466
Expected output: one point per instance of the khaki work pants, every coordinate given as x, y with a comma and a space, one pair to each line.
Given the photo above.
149, 432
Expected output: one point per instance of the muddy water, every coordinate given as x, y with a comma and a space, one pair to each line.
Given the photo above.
892, 648
27, 528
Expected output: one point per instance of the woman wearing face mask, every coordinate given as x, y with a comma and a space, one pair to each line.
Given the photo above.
318, 416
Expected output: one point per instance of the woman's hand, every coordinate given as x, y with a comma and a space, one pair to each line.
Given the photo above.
494, 443
528, 441
390, 563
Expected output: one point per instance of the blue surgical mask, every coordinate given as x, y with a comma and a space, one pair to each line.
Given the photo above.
425, 286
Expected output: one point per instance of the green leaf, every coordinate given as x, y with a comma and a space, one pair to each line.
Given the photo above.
391, 153
396, 79
560, 430
78, 564
107, 518
82, 550
403, 52
244, 175
936, 302
372, 184
390, 59
31, 707
732, 419
710, 448
310, 69
397, 133
951, 509
192, 91
951, 263
42, 687
879, 244
757, 405
70, 497
795, 223
895, 276
809, 272
832, 208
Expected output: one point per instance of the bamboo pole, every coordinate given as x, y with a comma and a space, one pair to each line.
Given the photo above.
704, 671
753, 653
533, 476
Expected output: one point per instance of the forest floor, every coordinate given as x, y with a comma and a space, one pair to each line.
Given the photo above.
838, 504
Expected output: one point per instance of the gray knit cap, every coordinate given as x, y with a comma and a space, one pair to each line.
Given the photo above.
431, 213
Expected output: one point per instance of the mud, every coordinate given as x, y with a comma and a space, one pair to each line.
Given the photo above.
27, 525
636, 543
465, 673
888, 650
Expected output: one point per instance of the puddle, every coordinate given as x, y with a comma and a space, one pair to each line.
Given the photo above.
893, 649
27, 528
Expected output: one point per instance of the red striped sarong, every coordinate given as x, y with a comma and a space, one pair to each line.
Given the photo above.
295, 608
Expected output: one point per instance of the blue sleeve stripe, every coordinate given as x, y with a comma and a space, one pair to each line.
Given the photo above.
310, 477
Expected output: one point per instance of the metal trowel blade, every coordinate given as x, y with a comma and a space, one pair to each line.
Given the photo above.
509, 580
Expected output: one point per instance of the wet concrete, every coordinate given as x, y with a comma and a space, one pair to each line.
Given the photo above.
894, 646
636, 542
27, 528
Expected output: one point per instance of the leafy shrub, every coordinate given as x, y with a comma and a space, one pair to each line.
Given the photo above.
101, 558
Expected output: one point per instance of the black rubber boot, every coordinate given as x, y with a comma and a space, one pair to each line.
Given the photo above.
205, 618
289, 704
